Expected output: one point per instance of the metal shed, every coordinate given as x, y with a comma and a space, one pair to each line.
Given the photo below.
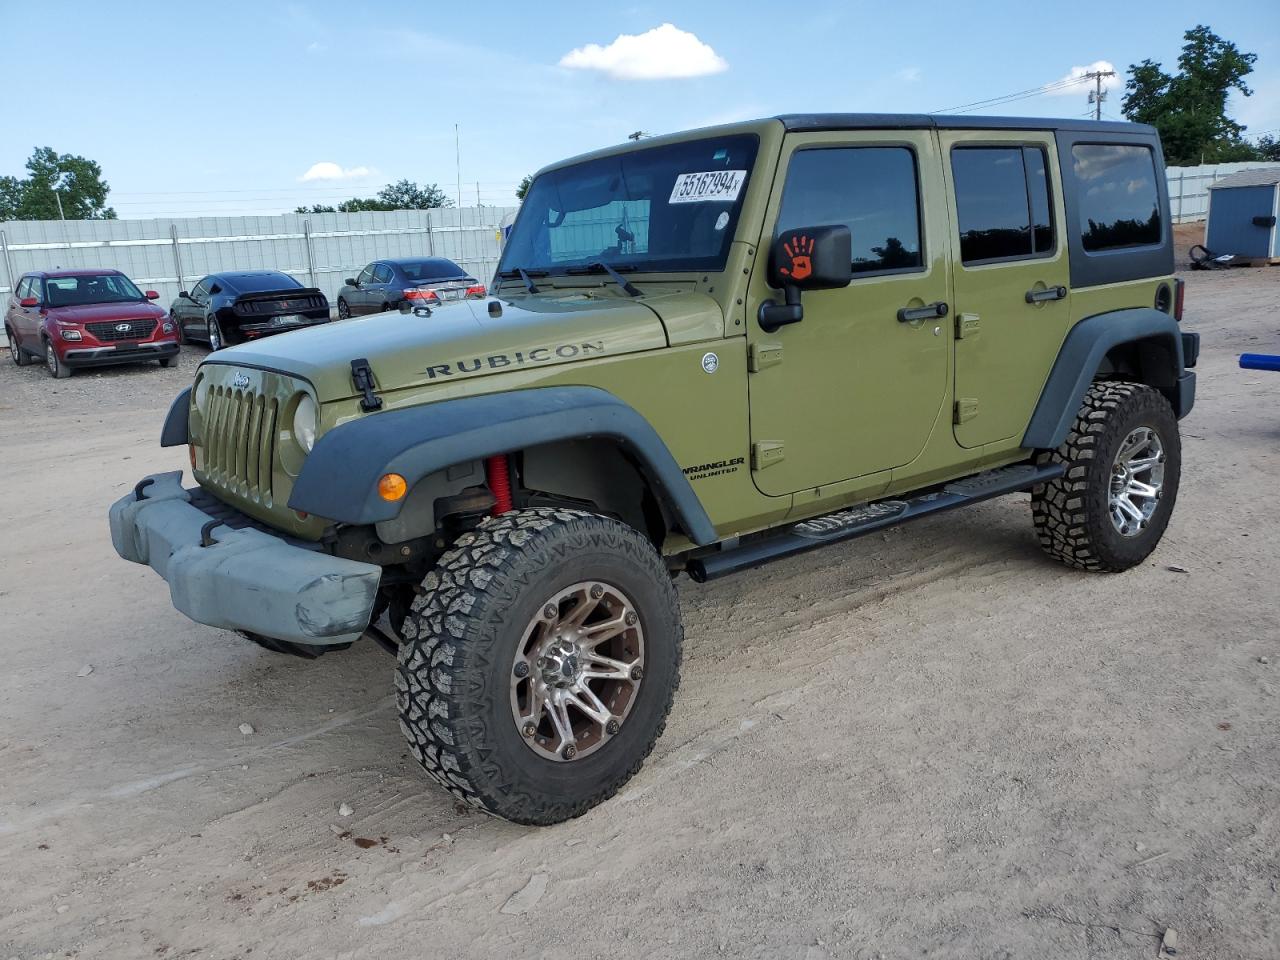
1242, 215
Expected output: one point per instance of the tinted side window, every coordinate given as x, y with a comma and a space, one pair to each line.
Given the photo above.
871, 190
20, 292
366, 275
1002, 203
201, 291
1119, 203
382, 273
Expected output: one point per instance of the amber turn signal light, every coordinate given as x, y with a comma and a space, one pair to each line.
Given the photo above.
392, 487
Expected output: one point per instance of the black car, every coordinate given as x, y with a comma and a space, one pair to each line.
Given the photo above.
388, 284
228, 308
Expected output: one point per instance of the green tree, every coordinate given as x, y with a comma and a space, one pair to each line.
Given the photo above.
363, 204
1189, 108
407, 195
1268, 148
316, 208
77, 180
522, 188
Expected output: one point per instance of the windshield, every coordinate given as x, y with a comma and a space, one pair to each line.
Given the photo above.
667, 208
260, 282
437, 269
100, 288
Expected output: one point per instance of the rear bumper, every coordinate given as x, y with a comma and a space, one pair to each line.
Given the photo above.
267, 326
133, 353
245, 579
1186, 397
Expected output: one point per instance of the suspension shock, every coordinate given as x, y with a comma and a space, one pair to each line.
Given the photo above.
500, 483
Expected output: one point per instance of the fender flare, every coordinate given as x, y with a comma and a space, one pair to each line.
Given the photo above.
174, 431
339, 478
1085, 348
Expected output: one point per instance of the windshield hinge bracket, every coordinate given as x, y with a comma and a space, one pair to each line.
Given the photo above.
362, 377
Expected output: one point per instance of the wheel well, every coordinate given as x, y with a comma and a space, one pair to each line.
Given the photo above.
591, 474
1151, 360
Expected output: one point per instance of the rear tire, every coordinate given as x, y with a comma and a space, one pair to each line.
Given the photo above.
1123, 458
513, 624
16, 353
57, 369
166, 362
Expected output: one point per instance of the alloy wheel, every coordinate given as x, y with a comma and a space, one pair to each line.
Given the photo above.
577, 670
1137, 478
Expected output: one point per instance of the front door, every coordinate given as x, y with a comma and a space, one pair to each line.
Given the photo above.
857, 385
359, 302
1011, 278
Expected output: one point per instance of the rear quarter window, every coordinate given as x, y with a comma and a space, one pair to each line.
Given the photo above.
1118, 203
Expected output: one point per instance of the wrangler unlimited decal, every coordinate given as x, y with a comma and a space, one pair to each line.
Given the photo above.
518, 358
720, 467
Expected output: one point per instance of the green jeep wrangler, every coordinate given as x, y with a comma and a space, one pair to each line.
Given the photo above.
702, 352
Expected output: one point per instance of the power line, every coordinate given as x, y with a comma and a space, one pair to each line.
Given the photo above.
1019, 95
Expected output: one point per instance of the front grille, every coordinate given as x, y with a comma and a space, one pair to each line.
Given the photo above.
240, 450
110, 330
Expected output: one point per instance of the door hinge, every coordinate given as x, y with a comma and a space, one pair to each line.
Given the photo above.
765, 453
967, 325
761, 355
966, 409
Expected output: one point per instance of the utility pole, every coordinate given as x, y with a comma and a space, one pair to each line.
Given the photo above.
1097, 94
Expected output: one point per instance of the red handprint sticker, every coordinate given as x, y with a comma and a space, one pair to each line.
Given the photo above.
800, 251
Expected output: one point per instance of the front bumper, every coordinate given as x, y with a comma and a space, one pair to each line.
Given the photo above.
132, 353
245, 579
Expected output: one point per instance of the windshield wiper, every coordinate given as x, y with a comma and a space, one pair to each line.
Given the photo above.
599, 266
524, 275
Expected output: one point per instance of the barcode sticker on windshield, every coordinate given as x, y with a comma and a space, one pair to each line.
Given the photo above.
718, 185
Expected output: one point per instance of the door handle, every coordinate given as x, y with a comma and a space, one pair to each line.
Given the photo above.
1051, 293
929, 311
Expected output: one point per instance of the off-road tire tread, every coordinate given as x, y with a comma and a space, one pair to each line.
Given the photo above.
440, 712
1059, 507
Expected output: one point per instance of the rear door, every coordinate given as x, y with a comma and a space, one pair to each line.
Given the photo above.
1011, 277
853, 389
20, 316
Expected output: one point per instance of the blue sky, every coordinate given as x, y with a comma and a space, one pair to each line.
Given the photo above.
222, 109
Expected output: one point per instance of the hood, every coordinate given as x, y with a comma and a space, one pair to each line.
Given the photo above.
96, 312
457, 342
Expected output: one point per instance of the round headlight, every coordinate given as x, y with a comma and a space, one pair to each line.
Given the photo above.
200, 398
304, 423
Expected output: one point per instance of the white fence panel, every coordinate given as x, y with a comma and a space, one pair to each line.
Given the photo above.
1189, 186
320, 250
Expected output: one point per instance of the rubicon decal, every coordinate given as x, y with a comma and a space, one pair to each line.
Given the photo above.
517, 358
717, 469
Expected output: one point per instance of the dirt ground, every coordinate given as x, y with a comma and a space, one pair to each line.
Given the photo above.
930, 742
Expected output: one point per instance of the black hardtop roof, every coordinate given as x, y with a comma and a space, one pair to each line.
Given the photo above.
915, 121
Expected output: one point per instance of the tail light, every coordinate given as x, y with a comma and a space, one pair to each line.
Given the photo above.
418, 293
476, 291
1179, 291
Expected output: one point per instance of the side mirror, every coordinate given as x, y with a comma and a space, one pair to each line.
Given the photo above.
350, 282
152, 295
184, 295
29, 302
809, 258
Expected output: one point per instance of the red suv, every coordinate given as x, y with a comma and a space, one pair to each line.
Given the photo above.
85, 318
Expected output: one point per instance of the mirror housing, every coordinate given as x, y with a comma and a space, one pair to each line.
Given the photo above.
350, 282
29, 302
152, 295
184, 295
807, 258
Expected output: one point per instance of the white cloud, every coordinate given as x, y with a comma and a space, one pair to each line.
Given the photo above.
315, 46
662, 53
908, 75
328, 170
1062, 87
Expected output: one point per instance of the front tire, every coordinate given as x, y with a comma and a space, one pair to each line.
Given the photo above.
539, 663
344, 311
57, 369
1123, 460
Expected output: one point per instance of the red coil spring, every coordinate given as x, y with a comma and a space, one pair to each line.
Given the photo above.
499, 483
